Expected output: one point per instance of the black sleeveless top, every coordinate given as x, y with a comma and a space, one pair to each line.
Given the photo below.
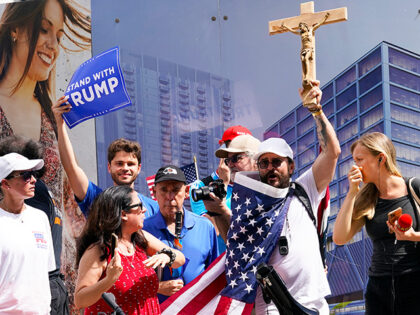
390, 257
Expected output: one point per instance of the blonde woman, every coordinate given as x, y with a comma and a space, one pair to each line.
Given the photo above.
394, 273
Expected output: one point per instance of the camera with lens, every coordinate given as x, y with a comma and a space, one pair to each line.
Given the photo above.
217, 187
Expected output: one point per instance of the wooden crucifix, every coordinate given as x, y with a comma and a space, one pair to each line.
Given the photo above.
305, 25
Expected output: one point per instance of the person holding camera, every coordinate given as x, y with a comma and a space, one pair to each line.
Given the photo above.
221, 174
238, 157
193, 235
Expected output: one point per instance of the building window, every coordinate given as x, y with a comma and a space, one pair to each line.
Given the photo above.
289, 136
327, 92
344, 167
307, 156
347, 114
409, 169
407, 152
303, 170
347, 132
346, 150
369, 62
333, 191
404, 78
333, 208
301, 112
371, 117
404, 133
377, 128
328, 108
287, 122
344, 187
371, 99
403, 60
305, 125
305, 142
346, 97
345, 80
370, 80
405, 97
405, 115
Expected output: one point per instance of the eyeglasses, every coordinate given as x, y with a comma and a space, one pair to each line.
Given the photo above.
265, 163
26, 175
137, 205
235, 159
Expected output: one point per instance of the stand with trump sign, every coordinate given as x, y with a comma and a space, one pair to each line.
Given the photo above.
96, 88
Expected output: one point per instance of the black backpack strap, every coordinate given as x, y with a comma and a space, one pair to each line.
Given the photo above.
303, 197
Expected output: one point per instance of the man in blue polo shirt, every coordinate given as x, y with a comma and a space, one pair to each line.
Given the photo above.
124, 165
195, 236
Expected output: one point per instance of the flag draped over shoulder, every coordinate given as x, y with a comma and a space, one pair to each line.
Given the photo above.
190, 175
229, 285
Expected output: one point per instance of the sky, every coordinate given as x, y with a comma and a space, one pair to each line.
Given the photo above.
265, 70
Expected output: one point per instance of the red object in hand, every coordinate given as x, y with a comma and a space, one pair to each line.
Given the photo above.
404, 222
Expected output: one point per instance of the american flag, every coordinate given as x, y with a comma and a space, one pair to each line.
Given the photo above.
189, 170
258, 214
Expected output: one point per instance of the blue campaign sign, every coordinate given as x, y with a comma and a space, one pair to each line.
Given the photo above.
96, 88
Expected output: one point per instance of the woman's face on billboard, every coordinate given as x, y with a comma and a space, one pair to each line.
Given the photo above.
47, 46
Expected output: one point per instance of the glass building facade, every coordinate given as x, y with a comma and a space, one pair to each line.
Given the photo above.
379, 92
177, 112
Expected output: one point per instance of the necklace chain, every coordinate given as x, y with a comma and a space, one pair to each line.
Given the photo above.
130, 253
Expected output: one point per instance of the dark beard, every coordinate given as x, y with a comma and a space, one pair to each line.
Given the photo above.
283, 181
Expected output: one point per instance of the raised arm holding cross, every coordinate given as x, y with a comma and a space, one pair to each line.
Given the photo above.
305, 25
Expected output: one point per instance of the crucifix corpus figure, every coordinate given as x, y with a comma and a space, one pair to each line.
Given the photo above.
305, 25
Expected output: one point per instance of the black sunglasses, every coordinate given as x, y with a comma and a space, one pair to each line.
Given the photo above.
140, 204
265, 163
234, 159
26, 175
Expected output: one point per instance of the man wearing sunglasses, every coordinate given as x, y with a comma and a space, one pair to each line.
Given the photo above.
238, 157
223, 173
301, 268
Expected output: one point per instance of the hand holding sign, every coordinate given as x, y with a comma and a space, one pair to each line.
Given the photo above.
96, 88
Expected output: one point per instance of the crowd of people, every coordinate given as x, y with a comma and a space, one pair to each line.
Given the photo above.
143, 251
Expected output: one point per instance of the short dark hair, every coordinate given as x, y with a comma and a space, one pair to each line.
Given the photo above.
23, 146
124, 145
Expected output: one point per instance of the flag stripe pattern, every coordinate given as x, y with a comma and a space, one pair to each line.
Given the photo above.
150, 184
209, 293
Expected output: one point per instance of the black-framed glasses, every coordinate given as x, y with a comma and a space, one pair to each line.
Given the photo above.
140, 204
235, 159
26, 175
263, 164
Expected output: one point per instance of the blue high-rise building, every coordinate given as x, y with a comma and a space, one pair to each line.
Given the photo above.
378, 92
177, 112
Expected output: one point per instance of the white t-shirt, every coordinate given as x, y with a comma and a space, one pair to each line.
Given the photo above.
26, 256
301, 269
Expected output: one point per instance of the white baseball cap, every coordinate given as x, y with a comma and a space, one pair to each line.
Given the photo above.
16, 162
244, 143
277, 146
